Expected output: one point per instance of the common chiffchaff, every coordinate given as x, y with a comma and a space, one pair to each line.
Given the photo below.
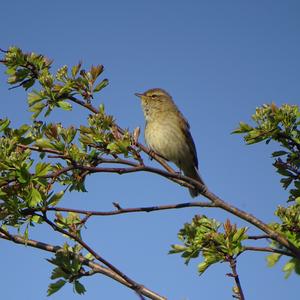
167, 133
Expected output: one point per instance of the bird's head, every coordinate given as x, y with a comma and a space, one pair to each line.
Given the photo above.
155, 101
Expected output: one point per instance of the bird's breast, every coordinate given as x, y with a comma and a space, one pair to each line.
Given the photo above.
165, 137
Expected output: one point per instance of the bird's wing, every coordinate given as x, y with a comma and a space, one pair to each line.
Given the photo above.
192, 146
189, 140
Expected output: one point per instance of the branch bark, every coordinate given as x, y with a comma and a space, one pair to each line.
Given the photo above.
121, 210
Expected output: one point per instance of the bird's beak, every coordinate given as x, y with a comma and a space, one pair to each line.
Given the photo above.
139, 95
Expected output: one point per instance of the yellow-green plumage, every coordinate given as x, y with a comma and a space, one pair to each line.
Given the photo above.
168, 133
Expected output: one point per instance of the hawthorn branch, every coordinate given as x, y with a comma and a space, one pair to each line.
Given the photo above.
120, 210
252, 220
218, 202
96, 268
133, 284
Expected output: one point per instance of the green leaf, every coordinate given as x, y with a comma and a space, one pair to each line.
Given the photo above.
44, 143
289, 268
89, 256
101, 85
56, 286
286, 182
4, 124
278, 153
239, 235
177, 249
42, 169
23, 175
75, 69
36, 219
284, 172
28, 83
58, 273
64, 105
243, 128
26, 234
56, 198
23, 129
35, 197
34, 97
101, 109
272, 259
79, 288
36, 109
202, 267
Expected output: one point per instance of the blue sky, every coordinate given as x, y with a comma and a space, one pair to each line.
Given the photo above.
219, 60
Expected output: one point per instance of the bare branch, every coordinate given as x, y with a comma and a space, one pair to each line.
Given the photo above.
239, 295
268, 249
120, 210
258, 237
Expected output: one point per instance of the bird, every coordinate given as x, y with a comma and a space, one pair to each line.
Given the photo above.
167, 133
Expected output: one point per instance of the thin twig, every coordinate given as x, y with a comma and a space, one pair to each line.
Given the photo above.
39, 149
258, 237
20, 84
234, 274
268, 249
120, 210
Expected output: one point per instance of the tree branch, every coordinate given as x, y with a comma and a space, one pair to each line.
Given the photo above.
94, 266
133, 284
39, 149
252, 220
218, 202
258, 237
120, 210
268, 249
239, 294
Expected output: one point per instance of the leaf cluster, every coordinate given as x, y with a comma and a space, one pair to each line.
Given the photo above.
25, 69
281, 125
28, 182
203, 236
68, 269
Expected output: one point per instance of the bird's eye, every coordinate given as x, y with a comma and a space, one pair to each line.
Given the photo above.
153, 96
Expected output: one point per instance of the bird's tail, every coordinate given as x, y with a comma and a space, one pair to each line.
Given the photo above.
193, 173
